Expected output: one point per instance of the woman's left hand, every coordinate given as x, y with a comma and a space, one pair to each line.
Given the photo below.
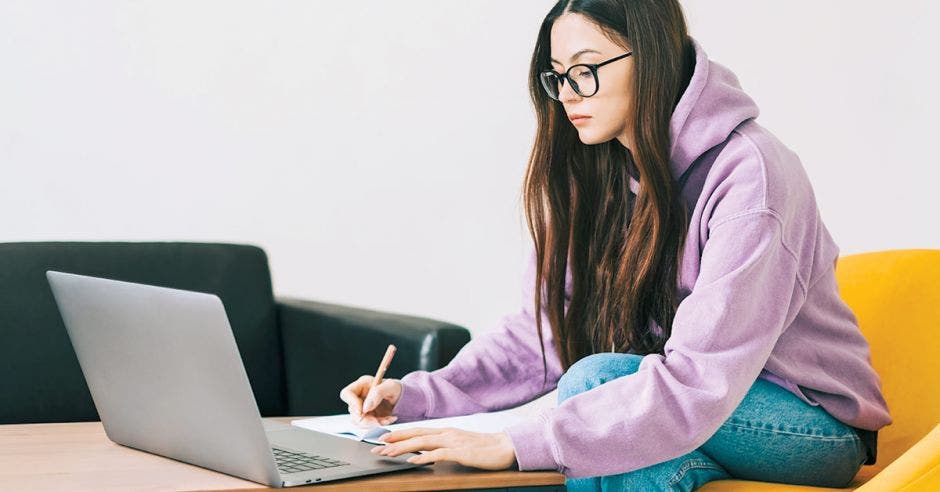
479, 450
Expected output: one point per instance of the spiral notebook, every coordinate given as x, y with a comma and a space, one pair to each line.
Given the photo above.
342, 425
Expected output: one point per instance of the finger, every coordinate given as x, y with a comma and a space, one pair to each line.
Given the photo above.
439, 454
365, 421
355, 406
350, 394
409, 433
371, 401
419, 443
347, 394
381, 418
361, 386
351, 389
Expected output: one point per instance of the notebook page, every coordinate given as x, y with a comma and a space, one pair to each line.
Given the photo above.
342, 425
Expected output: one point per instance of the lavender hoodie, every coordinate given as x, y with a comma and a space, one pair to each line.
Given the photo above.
758, 295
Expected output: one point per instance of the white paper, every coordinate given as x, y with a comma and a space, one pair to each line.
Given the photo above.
344, 426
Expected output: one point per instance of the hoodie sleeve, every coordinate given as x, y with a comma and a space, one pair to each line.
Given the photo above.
497, 370
723, 332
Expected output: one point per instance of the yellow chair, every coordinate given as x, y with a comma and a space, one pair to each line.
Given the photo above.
895, 295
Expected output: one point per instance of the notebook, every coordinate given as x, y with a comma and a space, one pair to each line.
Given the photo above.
342, 425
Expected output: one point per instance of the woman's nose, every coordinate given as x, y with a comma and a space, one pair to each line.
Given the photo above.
567, 93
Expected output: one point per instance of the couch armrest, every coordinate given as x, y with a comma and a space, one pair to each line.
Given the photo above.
917, 469
326, 346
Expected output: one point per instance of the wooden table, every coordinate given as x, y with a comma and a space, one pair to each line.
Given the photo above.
79, 456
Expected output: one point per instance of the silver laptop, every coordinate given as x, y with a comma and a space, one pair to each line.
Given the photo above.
166, 377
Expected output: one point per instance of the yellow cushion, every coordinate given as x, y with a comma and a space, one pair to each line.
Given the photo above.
916, 469
895, 295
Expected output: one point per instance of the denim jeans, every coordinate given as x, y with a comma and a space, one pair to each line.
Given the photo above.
772, 436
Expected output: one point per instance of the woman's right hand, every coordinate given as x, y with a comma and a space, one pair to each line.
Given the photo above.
372, 409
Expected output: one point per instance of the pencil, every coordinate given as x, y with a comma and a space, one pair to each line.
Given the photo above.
386, 360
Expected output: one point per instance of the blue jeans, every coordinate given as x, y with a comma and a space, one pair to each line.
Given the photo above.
772, 436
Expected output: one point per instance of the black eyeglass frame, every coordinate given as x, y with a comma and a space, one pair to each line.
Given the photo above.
574, 85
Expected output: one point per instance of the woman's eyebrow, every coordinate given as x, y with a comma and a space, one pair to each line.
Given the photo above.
576, 55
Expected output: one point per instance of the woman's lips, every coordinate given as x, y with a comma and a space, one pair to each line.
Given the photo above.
579, 119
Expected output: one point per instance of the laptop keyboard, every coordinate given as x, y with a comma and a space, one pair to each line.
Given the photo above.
293, 462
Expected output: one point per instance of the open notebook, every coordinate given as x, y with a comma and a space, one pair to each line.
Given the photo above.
343, 425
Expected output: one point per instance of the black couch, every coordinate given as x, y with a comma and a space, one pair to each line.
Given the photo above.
298, 353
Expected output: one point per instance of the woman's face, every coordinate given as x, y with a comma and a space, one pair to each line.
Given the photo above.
611, 109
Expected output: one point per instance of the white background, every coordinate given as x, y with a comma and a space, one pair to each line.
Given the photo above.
376, 149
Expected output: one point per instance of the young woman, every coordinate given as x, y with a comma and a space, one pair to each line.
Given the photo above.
696, 329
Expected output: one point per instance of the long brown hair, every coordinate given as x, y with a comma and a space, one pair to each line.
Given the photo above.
623, 250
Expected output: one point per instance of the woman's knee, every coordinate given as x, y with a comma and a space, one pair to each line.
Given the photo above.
594, 370
775, 436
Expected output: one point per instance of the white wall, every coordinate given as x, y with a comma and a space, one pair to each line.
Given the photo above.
851, 86
376, 149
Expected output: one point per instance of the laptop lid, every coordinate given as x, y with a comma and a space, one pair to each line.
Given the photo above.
165, 373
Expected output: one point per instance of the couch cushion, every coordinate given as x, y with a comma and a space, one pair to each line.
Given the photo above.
40, 379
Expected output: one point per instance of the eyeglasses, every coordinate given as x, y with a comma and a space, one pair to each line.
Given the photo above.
584, 81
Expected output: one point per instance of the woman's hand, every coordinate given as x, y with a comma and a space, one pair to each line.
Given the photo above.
373, 409
490, 451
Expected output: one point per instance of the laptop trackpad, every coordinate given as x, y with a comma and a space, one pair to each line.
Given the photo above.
341, 448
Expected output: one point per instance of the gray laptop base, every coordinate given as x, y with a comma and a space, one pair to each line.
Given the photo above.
166, 377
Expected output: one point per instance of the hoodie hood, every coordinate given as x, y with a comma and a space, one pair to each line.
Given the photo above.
711, 107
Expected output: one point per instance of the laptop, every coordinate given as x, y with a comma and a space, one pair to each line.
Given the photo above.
166, 377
